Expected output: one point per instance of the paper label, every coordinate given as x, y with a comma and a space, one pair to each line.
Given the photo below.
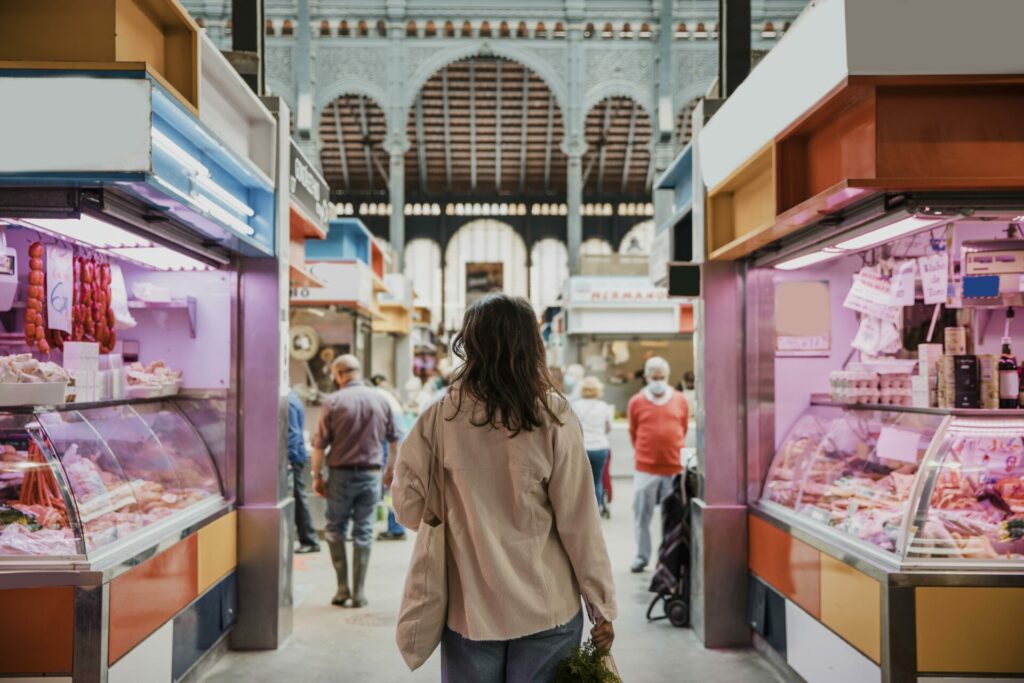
934, 277
869, 336
898, 444
59, 287
871, 294
903, 283
1009, 384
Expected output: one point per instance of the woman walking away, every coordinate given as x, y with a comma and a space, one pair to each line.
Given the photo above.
595, 416
523, 536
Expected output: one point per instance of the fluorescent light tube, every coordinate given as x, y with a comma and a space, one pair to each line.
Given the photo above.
90, 231
181, 156
807, 260
902, 227
223, 195
160, 258
223, 215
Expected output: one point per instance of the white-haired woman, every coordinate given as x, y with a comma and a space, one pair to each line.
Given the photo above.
595, 416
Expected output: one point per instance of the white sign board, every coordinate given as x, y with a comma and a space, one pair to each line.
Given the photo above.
614, 290
73, 124
349, 282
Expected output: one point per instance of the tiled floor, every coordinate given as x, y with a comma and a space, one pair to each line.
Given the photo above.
334, 644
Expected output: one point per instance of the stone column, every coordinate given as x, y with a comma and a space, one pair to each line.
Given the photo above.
575, 144
396, 195
574, 202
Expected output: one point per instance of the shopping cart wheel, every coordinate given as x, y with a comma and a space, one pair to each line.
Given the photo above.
678, 612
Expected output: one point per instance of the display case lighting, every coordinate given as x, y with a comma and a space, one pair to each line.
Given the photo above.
90, 231
160, 258
205, 204
902, 227
224, 196
808, 259
178, 154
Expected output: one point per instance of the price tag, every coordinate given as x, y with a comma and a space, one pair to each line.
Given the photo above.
934, 277
59, 287
898, 444
903, 283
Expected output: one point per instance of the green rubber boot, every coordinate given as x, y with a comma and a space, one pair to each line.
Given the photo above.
360, 566
340, 563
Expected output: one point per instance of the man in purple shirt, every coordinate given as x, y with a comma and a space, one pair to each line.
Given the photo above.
354, 424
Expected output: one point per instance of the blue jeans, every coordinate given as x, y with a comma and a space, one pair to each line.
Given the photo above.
530, 659
597, 461
394, 528
352, 494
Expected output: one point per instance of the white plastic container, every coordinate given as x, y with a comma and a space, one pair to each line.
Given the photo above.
33, 394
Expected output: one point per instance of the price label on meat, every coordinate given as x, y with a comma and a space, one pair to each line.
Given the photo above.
59, 287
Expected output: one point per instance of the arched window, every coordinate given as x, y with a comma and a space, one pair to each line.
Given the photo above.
485, 29
541, 31
595, 246
627, 30
482, 241
410, 29
423, 271
682, 31
608, 31
449, 29
559, 31
269, 27
382, 28
549, 269
431, 30
588, 31
287, 28
503, 30
200, 22
325, 28
467, 29
363, 30
645, 30
521, 30
637, 241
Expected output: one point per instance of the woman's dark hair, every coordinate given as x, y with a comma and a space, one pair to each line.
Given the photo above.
504, 364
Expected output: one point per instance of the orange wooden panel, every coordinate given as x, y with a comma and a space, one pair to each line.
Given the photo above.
686, 322
851, 605
951, 131
969, 630
788, 565
143, 599
37, 630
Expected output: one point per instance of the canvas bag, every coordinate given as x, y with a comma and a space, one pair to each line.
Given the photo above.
424, 611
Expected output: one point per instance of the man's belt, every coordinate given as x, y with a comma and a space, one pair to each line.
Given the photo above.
357, 468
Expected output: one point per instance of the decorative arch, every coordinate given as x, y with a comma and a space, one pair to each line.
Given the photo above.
637, 242
620, 87
439, 59
354, 161
618, 134
484, 240
349, 85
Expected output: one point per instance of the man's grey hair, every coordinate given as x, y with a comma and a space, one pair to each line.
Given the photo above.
347, 363
656, 363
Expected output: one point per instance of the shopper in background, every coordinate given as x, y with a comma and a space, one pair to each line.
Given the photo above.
595, 417
572, 379
658, 418
395, 531
354, 424
298, 458
523, 536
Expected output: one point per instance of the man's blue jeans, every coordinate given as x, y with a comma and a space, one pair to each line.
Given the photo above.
530, 659
352, 494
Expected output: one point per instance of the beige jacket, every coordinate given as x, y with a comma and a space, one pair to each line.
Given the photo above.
524, 537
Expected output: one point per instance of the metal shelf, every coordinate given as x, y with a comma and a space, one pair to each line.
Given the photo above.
823, 400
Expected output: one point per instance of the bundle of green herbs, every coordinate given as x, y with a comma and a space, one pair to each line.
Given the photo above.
586, 665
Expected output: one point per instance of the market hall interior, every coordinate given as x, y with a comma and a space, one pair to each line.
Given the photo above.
773, 252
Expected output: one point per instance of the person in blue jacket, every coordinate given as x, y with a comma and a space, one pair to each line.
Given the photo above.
298, 461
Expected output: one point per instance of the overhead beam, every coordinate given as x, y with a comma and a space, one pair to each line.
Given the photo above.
365, 128
421, 148
472, 125
522, 130
602, 152
630, 137
547, 142
341, 145
447, 129
497, 129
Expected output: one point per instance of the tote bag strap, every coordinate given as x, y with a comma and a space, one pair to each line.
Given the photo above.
437, 461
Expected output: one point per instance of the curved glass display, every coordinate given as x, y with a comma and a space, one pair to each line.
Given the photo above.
852, 470
972, 500
74, 481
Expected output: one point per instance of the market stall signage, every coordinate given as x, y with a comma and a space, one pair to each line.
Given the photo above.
59, 287
308, 188
615, 290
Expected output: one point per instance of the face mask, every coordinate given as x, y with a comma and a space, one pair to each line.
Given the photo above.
658, 386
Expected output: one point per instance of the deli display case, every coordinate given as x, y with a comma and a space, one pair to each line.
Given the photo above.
86, 486
911, 489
